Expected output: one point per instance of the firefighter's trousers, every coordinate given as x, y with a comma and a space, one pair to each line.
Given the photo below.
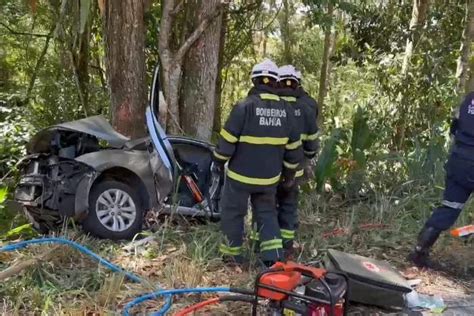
287, 207
234, 207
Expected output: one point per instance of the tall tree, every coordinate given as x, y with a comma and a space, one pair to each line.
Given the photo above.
125, 64
418, 17
328, 44
172, 60
285, 28
198, 98
465, 50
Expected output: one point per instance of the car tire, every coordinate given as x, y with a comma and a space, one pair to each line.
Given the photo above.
115, 211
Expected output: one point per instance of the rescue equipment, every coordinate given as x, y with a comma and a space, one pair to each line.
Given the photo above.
295, 289
370, 281
464, 231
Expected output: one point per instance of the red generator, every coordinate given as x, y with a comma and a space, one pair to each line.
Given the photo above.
297, 290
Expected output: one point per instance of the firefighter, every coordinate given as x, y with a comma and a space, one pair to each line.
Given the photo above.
459, 183
305, 120
262, 148
310, 139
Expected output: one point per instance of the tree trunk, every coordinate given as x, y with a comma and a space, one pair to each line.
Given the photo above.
219, 84
286, 32
323, 84
201, 70
80, 63
418, 17
463, 60
125, 63
39, 64
172, 61
172, 86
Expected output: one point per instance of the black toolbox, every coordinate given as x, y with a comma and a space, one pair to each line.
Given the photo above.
371, 282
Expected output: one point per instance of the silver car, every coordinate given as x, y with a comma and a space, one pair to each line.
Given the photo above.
88, 171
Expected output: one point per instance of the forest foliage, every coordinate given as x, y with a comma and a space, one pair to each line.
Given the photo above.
378, 120
387, 75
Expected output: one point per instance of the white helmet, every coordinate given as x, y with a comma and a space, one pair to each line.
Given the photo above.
266, 68
287, 72
298, 75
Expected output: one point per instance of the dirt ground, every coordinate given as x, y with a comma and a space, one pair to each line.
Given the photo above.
454, 283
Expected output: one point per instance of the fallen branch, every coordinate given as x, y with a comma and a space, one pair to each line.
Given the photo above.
17, 268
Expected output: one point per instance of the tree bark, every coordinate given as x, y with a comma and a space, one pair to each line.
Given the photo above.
323, 82
172, 61
80, 57
125, 64
418, 17
286, 32
219, 84
462, 70
200, 79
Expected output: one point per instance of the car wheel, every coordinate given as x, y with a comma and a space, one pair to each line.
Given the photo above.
115, 211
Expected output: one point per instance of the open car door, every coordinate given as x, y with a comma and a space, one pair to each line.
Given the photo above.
162, 159
168, 154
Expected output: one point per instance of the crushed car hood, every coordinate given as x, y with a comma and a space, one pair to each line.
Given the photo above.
96, 126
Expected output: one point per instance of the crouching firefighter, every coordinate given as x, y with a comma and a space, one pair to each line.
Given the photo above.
305, 123
459, 183
261, 147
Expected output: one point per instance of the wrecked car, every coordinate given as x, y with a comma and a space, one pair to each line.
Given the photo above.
107, 182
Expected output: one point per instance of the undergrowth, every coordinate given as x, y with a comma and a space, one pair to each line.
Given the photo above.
180, 253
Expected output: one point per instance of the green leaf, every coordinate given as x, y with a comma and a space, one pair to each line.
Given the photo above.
3, 195
85, 9
25, 229
327, 158
362, 137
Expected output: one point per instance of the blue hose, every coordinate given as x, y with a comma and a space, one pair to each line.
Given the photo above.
81, 248
167, 293
167, 305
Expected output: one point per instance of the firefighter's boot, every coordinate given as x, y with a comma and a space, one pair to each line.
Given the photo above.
420, 256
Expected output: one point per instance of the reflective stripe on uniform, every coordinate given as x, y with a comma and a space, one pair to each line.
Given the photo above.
255, 181
293, 145
233, 251
299, 173
271, 244
269, 96
228, 136
289, 99
219, 156
312, 136
455, 205
254, 235
307, 152
264, 140
290, 165
287, 234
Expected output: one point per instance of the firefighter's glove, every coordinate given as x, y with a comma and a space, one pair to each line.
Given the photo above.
217, 169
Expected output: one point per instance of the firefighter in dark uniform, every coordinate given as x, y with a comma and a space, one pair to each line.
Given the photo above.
305, 119
262, 148
310, 139
459, 183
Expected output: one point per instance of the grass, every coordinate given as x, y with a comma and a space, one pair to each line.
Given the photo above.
184, 253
